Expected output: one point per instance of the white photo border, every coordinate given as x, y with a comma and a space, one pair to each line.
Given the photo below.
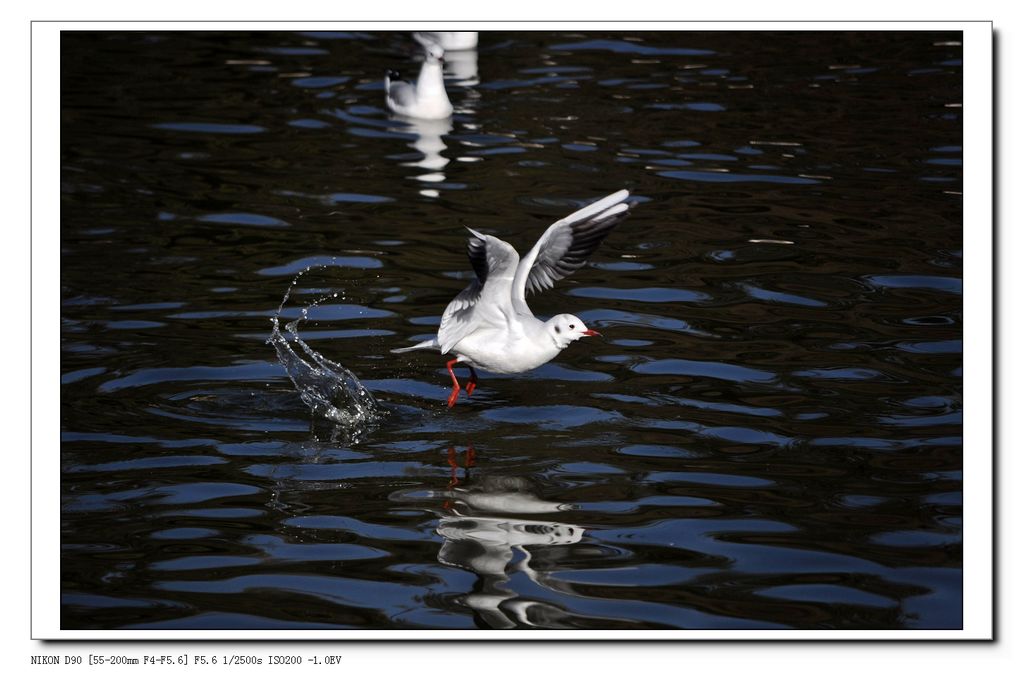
978, 446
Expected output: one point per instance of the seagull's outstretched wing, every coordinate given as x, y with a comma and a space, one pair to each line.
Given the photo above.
565, 246
487, 300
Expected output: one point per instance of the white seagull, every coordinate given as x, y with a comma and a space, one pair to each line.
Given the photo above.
489, 326
450, 41
427, 98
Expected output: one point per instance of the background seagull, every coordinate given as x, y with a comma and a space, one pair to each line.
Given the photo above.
450, 41
489, 325
427, 98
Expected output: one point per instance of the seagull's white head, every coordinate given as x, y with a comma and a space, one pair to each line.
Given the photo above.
435, 54
565, 328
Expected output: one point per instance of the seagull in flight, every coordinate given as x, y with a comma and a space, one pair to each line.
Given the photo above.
426, 98
489, 326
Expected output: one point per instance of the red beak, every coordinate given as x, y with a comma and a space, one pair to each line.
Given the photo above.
591, 332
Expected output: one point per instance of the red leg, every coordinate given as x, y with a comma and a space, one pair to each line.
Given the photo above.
453, 398
471, 385
453, 462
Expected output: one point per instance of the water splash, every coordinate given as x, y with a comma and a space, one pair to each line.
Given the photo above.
331, 391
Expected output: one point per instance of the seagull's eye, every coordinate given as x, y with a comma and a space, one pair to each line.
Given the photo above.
572, 326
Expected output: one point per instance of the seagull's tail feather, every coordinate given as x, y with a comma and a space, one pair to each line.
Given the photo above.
431, 344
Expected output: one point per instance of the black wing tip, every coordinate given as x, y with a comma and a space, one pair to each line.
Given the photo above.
476, 249
394, 75
587, 235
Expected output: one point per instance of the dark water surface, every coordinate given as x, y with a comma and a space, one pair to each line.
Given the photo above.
769, 435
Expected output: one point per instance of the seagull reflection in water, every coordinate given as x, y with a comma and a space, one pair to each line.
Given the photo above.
483, 533
427, 139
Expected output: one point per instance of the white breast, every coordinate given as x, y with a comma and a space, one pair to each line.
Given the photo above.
505, 351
